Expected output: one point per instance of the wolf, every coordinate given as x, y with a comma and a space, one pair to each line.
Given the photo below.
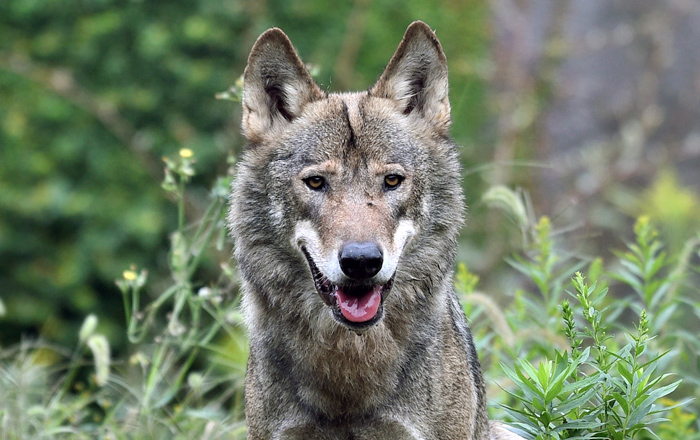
345, 212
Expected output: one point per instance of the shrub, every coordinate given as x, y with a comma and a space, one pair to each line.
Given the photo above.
601, 359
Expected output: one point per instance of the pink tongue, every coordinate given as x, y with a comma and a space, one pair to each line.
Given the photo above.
362, 308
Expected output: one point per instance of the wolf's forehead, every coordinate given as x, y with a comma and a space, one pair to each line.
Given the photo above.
354, 109
351, 125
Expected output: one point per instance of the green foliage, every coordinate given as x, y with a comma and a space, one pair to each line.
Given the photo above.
643, 266
611, 358
671, 205
93, 95
465, 281
579, 395
180, 376
606, 379
681, 424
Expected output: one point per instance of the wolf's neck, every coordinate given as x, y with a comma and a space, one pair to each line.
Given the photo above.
347, 372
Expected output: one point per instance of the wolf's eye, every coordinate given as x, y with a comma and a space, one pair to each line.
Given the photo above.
392, 181
316, 183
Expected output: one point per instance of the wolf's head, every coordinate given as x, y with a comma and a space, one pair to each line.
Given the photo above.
346, 207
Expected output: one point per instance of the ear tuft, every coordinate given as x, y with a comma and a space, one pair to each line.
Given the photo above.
416, 77
276, 85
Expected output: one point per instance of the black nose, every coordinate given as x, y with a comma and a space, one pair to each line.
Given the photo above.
361, 260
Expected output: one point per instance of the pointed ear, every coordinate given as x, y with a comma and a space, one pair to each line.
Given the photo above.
276, 85
416, 77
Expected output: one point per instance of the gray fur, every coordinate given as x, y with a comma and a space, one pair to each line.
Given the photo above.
414, 373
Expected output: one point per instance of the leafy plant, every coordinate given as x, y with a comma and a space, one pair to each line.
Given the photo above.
162, 390
591, 392
601, 385
196, 316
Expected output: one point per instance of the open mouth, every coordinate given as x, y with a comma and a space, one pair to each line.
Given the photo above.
354, 305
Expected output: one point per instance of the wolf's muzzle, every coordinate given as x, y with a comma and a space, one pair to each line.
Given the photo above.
361, 261
356, 304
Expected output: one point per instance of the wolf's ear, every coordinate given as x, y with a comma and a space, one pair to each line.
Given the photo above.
276, 85
416, 77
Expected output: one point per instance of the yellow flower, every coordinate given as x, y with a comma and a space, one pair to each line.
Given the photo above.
186, 153
129, 275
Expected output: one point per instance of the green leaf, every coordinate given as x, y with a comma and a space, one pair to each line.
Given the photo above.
578, 401
582, 384
624, 372
543, 373
523, 383
622, 401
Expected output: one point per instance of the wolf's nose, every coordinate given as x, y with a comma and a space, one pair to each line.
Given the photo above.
361, 260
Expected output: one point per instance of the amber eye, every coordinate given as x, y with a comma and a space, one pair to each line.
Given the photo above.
392, 181
316, 183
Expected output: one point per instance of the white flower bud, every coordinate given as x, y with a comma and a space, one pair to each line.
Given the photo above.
100, 352
88, 327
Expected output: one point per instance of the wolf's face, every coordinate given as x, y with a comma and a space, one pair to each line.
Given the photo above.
335, 190
350, 199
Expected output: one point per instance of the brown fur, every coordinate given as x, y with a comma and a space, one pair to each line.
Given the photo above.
412, 373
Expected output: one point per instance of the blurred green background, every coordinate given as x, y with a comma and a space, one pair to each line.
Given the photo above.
591, 109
